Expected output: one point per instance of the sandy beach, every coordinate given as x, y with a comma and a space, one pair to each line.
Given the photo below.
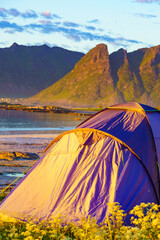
31, 144
35, 143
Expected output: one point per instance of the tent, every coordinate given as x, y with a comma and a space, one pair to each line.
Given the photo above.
111, 157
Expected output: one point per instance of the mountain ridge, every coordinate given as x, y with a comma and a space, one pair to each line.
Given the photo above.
100, 79
26, 70
56, 76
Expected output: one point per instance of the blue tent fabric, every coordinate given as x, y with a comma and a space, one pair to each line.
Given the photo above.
130, 124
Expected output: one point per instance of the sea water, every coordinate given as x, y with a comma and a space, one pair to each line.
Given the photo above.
20, 123
15, 121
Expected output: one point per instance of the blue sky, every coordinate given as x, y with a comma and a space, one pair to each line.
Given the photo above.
81, 25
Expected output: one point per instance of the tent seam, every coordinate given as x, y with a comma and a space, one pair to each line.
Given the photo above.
111, 136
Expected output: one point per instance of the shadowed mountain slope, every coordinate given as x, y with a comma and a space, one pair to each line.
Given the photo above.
26, 70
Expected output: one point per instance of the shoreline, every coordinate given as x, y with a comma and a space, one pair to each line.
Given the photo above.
27, 142
29, 135
19, 151
48, 109
30, 132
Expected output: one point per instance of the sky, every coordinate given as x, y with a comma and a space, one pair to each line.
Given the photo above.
80, 25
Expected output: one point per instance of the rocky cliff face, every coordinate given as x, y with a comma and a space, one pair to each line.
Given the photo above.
150, 74
100, 79
89, 82
92, 73
126, 74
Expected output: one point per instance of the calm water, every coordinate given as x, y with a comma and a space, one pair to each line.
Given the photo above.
34, 121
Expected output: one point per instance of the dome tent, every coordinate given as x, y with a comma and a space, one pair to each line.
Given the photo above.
111, 157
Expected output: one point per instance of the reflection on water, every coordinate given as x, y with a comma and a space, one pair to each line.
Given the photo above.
11, 120
12, 174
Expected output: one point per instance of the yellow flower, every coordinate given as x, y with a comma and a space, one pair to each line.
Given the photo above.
43, 232
155, 222
153, 215
143, 205
29, 238
27, 233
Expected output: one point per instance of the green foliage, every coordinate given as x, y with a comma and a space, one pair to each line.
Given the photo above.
155, 95
2, 196
91, 88
149, 79
147, 58
128, 84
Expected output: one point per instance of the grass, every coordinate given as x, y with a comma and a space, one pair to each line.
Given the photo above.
2, 196
145, 224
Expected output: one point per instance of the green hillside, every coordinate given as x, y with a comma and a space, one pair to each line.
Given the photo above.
100, 79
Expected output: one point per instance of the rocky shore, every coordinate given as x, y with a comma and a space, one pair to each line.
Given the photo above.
18, 153
50, 109
21, 149
11, 156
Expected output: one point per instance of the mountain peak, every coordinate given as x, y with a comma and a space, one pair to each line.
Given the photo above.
96, 59
101, 51
100, 47
45, 46
14, 45
89, 81
122, 50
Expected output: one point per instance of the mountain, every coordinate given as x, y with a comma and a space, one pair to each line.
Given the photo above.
100, 79
89, 82
26, 70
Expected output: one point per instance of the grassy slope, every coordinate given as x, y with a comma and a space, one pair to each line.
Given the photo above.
97, 80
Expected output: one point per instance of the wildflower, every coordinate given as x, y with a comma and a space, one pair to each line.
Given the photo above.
155, 222
29, 238
26, 233
43, 232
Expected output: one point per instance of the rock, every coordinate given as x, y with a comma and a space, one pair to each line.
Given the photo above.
10, 156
